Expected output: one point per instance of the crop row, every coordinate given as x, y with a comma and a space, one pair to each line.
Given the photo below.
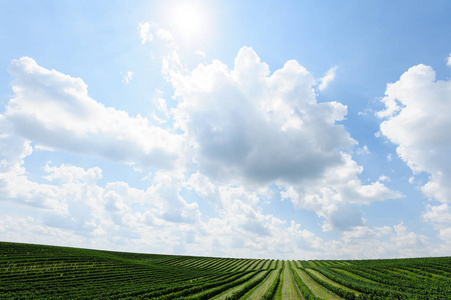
382, 279
218, 264
33, 271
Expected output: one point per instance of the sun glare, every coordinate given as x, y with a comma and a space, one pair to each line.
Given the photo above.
189, 20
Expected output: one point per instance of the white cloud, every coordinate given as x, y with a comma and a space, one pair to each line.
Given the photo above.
387, 242
416, 119
67, 173
171, 62
365, 233
384, 178
409, 241
148, 31
54, 110
339, 187
145, 32
160, 103
438, 214
445, 234
164, 192
363, 150
127, 77
13, 149
200, 53
203, 187
251, 126
328, 78
164, 34
448, 61
158, 220
74, 207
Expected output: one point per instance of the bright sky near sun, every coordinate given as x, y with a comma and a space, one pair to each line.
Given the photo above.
261, 129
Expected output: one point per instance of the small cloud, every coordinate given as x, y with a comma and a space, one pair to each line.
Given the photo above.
390, 157
164, 35
147, 177
127, 77
363, 150
200, 53
145, 32
136, 169
157, 118
148, 32
448, 60
160, 103
384, 178
330, 75
366, 112
43, 148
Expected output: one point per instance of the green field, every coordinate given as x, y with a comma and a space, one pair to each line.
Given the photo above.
49, 272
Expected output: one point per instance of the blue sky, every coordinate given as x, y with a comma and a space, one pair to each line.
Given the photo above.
293, 129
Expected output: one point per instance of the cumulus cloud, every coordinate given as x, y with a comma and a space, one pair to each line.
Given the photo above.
73, 208
409, 241
72, 203
13, 149
438, 214
165, 192
440, 217
329, 77
339, 187
416, 119
54, 110
252, 127
448, 60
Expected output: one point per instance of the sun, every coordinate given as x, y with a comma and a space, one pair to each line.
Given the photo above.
189, 19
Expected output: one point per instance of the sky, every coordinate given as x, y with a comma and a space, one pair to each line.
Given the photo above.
255, 129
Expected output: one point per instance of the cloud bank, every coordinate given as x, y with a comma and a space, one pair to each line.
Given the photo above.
54, 110
237, 139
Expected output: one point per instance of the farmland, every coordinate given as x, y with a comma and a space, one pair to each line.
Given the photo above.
49, 272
